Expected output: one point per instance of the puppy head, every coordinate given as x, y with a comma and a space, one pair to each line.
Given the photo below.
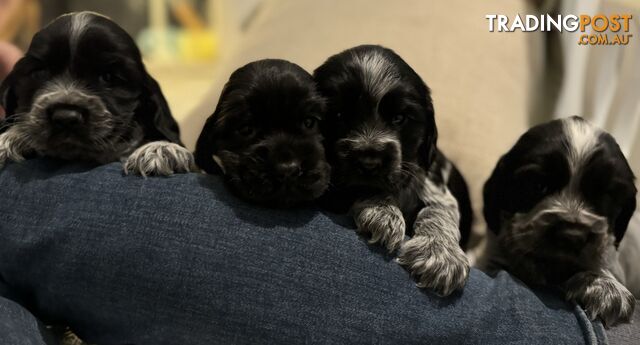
560, 197
264, 135
81, 92
380, 117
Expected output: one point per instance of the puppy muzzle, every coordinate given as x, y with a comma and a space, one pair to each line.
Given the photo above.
567, 230
280, 169
71, 111
369, 155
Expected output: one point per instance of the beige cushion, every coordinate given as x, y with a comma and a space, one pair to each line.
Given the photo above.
479, 79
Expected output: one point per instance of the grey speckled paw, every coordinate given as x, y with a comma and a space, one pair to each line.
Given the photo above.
160, 158
9, 150
385, 224
441, 267
601, 297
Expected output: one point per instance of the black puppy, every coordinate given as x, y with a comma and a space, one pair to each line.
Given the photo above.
81, 92
559, 202
264, 135
380, 137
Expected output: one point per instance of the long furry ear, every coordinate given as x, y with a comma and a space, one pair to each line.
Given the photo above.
155, 115
205, 147
622, 222
492, 198
8, 101
427, 149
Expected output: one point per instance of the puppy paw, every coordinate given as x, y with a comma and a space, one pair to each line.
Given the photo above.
436, 265
385, 224
70, 338
601, 296
160, 158
10, 151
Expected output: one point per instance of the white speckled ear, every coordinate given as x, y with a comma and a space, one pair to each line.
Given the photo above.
219, 162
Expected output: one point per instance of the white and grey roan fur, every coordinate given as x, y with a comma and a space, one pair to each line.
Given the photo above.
380, 136
559, 203
81, 92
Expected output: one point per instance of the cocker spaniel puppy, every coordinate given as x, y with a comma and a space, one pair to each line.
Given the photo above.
264, 135
559, 202
81, 92
380, 136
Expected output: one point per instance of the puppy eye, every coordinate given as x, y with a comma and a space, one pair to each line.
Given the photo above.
39, 74
532, 181
106, 78
539, 188
309, 122
111, 78
246, 131
398, 119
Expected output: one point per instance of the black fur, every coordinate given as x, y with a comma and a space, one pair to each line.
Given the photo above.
101, 61
351, 107
559, 203
538, 166
265, 130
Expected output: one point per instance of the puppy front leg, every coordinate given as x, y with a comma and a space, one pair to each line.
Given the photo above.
433, 256
160, 158
13, 146
601, 296
382, 219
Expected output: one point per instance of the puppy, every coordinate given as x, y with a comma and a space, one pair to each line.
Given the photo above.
264, 135
559, 202
380, 136
81, 92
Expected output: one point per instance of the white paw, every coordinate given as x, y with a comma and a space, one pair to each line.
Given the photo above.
435, 264
385, 224
160, 158
601, 296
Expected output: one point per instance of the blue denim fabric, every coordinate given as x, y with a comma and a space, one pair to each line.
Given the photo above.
178, 260
19, 327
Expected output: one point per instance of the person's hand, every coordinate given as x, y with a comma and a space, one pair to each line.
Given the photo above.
9, 55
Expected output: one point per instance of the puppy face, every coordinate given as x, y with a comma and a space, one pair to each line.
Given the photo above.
82, 92
380, 117
264, 135
560, 198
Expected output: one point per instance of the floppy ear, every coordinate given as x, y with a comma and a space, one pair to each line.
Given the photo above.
492, 198
204, 147
155, 115
8, 100
427, 149
622, 222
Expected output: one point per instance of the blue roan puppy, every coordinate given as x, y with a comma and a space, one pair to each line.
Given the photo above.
81, 92
559, 203
380, 136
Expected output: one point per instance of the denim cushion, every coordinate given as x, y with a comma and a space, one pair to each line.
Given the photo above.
178, 260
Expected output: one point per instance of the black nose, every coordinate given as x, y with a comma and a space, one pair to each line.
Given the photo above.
288, 169
64, 117
369, 163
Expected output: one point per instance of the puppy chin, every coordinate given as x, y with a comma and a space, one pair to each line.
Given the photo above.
249, 179
84, 143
